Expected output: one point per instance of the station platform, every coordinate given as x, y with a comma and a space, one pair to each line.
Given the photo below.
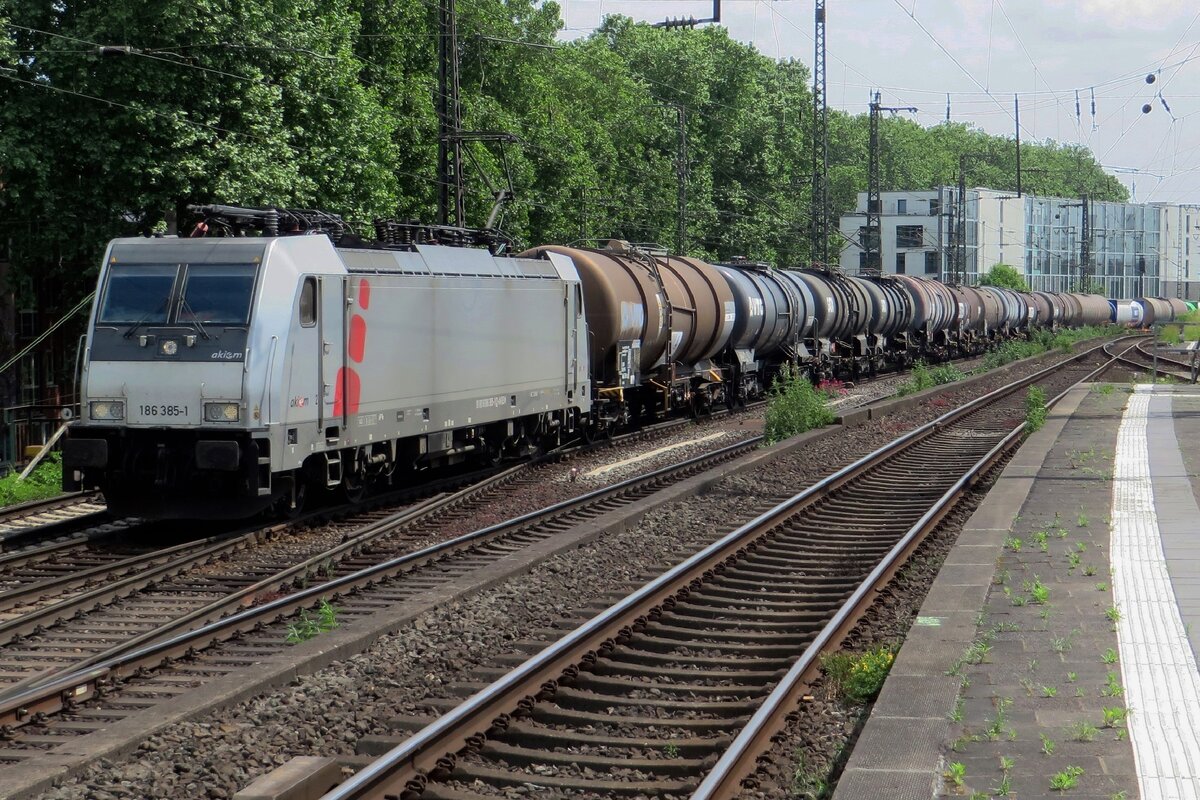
1055, 654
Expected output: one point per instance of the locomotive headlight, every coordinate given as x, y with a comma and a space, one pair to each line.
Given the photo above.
107, 409
168, 347
221, 412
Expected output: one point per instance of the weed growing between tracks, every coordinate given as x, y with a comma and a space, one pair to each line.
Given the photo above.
923, 377
309, 626
1035, 409
794, 406
43, 482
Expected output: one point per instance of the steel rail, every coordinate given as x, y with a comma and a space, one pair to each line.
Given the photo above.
1139, 347
232, 601
725, 779
13, 532
249, 595
405, 767
76, 685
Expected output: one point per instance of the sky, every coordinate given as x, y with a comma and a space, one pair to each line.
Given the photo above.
981, 52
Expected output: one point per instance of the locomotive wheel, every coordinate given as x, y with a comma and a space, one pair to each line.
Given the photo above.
291, 504
353, 489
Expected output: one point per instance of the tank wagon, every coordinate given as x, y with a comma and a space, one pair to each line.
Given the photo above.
1178, 308
656, 324
226, 375
1126, 313
1155, 310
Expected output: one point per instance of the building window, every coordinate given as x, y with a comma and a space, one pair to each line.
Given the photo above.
29, 380
910, 235
901, 206
935, 207
868, 242
26, 323
932, 262
900, 263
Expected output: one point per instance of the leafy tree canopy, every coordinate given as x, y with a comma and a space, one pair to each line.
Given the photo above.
1005, 277
331, 104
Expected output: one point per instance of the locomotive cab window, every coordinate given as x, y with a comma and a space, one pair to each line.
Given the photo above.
217, 294
308, 303
138, 293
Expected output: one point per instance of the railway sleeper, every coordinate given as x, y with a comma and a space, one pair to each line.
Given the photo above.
624, 655
649, 643
791, 582
581, 700
665, 630
685, 676
516, 755
754, 604
535, 735
550, 714
470, 773
616, 683
717, 614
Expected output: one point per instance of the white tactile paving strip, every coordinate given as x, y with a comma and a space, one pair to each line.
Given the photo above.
1162, 685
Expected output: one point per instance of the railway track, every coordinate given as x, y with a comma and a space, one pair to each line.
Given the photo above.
1143, 359
74, 619
676, 688
89, 589
28, 714
49, 519
60, 672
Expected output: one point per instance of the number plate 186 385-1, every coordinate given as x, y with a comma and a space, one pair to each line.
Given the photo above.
162, 410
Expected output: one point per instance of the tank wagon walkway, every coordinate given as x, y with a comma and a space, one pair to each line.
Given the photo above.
1056, 654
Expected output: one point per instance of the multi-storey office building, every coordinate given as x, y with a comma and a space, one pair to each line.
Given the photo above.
1180, 246
1042, 237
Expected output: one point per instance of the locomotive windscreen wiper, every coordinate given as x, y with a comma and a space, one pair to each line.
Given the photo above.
197, 325
134, 327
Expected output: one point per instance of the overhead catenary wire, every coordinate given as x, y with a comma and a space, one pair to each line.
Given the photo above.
27, 349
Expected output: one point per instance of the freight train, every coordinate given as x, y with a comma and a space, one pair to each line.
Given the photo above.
226, 375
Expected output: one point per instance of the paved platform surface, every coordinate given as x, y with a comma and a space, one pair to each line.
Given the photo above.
1055, 655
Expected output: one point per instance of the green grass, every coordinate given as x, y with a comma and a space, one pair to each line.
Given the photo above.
1042, 341
858, 676
924, 377
43, 482
308, 626
1035, 408
794, 406
1067, 779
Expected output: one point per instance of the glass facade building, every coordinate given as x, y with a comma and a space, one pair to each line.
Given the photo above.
1123, 245
1127, 243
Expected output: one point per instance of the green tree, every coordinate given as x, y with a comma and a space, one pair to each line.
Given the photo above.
332, 105
1005, 277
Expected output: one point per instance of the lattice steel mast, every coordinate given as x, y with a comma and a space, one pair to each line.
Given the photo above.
820, 158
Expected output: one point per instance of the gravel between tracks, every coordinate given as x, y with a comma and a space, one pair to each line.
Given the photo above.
325, 713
